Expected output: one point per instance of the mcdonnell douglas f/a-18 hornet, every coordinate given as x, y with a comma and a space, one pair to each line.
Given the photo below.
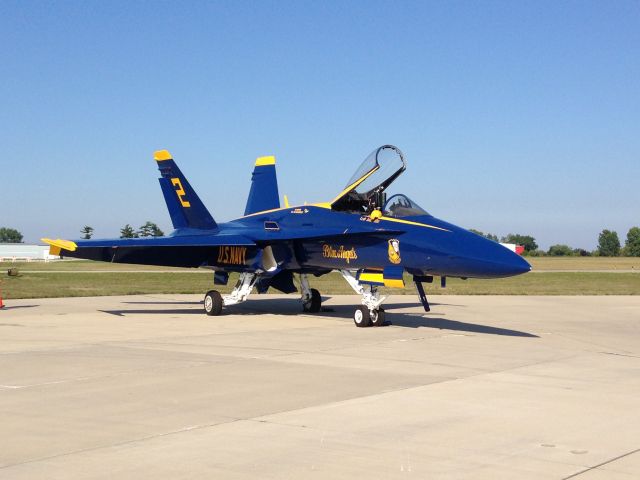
371, 239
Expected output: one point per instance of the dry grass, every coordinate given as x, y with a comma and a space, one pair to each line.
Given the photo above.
584, 263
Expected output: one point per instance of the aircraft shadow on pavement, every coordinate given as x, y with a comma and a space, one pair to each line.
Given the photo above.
12, 307
396, 306
173, 311
164, 302
290, 307
417, 321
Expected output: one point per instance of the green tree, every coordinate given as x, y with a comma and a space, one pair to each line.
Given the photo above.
128, 232
150, 229
490, 236
560, 250
608, 244
87, 232
10, 235
527, 241
632, 245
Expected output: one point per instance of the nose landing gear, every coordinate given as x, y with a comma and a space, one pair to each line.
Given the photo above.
370, 313
363, 317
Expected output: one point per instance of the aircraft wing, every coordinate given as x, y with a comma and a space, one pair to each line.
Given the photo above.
197, 250
178, 251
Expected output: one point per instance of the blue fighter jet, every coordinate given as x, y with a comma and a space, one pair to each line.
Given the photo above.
370, 239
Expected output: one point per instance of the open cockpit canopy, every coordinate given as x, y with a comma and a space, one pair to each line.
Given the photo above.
364, 191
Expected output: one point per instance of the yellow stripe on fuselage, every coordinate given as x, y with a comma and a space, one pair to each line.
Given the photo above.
409, 222
326, 205
265, 211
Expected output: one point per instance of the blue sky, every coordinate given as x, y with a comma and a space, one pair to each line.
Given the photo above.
513, 116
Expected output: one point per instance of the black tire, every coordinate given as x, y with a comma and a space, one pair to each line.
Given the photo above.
361, 317
377, 318
213, 303
314, 303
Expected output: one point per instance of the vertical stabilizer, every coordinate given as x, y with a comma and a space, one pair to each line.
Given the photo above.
264, 187
185, 207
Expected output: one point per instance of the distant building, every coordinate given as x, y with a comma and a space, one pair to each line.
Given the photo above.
519, 249
21, 252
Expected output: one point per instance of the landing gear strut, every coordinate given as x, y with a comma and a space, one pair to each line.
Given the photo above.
213, 301
370, 313
311, 299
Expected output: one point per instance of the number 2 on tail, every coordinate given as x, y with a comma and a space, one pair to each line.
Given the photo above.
180, 192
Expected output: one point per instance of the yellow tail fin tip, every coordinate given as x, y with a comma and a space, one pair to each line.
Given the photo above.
262, 161
161, 155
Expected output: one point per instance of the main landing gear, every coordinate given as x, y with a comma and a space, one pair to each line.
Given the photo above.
311, 299
213, 301
370, 313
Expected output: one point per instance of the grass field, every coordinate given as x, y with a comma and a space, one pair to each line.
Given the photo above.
587, 276
584, 263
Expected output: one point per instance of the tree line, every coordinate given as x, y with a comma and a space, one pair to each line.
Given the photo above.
149, 229
608, 245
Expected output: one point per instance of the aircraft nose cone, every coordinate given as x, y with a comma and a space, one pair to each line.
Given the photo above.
495, 260
466, 254
515, 264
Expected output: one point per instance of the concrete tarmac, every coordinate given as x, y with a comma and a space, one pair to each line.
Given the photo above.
481, 387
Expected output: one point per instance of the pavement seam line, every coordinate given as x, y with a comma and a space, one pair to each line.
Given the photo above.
258, 419
602, 464
119, 444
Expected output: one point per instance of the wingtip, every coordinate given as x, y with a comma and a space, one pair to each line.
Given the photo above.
162, 155
60, 244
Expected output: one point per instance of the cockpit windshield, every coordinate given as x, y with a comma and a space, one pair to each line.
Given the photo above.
400, 205
364, 191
